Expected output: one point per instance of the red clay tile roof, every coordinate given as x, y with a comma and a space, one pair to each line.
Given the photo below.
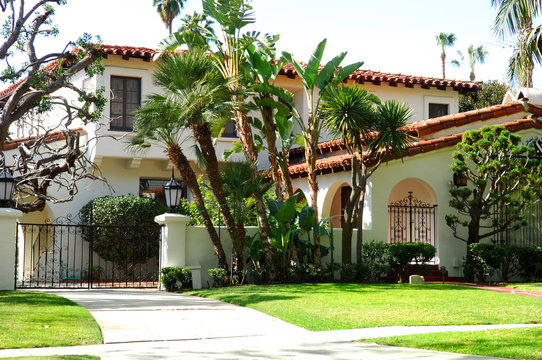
430, 126
377, 77
51, 137
341, 163
128, 51
426, 127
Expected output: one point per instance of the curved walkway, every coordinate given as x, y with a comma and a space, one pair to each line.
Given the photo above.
145, 324
500, 289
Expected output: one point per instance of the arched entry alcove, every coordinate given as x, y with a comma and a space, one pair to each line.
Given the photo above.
412, 212
335, 202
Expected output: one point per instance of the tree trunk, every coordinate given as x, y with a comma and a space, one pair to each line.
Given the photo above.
525, 73
202, 134
472, 76
361, 205
349, 213
247, 143
271, 139
311, 148
180, 161
285, 171
443, 59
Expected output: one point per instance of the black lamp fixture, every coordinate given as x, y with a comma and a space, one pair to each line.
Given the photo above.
6, 184
173, 192
460, 180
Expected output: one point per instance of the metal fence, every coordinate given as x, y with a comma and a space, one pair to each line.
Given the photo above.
412, 220
85, 256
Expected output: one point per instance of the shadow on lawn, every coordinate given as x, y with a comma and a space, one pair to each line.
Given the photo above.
356, 287
32, 298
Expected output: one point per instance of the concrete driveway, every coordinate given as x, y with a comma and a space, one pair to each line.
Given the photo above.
134, 315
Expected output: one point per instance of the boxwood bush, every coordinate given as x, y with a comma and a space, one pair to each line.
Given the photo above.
124, 230
400, 255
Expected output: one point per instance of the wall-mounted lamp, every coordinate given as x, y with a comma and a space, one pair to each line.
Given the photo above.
460, 180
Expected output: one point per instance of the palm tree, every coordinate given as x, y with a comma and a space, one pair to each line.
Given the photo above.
515, 18
196, 89
444, 40
157, 122
373, 133
476, 55
315, 81
228, 58
168, 10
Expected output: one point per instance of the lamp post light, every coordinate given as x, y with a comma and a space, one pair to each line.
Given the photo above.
173, 192
443, 272
6, 184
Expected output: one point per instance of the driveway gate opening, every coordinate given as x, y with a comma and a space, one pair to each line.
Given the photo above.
412, 220
56, 255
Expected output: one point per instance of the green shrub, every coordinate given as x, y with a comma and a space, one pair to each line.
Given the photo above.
400, 255
530, 262
348, 272
220, 277
510, 262
306, 272
172, 276
329, 270
375, 257
124, 230
486, 256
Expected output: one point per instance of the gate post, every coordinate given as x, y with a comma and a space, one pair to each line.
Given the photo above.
8, 227
173, 245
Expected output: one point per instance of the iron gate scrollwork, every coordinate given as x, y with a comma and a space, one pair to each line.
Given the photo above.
412, 220
67, 254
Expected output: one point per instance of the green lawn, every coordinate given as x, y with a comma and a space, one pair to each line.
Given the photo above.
55, 357
533, 287
320, 307
36, 319
520, 343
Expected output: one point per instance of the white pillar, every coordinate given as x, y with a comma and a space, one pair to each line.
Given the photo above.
8, 226
173, 248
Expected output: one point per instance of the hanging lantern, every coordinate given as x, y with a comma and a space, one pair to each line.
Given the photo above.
6, 184
173, 192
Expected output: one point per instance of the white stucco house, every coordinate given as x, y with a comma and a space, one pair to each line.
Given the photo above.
424, 174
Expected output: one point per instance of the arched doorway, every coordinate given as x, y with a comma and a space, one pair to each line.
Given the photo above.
412, 213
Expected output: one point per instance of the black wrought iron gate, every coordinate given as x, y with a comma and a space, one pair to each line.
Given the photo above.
412, 220
84, 256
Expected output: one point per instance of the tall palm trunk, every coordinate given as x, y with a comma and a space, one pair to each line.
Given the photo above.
443, 59
311, 148
180, 161
245, 135
271, 139
202, 133
525, 73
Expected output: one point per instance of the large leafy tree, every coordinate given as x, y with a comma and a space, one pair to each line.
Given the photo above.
40, 87
476, 55
444, 40
315, 80
168, 10
158, 121
515, 19
490, 93
372, 132
502, 174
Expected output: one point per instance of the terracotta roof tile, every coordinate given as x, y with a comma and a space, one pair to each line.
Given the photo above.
376, 76
51, 137
430, 126
342, 162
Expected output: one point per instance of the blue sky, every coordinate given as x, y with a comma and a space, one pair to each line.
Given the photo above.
395, 36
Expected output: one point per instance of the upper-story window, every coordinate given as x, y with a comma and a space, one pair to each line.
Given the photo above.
229, 130
125, 99
436, 110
